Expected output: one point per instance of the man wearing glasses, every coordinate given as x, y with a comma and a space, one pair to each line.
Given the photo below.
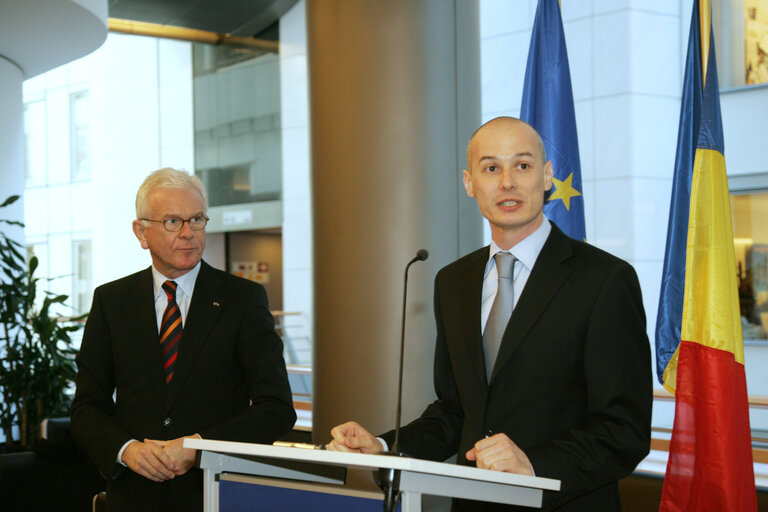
177, 350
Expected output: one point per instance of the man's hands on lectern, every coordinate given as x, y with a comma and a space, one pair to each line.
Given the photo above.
500, 453
497, 452
351, 437
159, 460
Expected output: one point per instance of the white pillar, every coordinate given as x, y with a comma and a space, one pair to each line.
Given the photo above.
11, 145
35, 37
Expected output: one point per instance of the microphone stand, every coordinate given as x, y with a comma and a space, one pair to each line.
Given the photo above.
388, 479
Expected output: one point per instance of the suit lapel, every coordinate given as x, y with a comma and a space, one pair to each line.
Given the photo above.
469, 294
204, 310
140, 308
547, 275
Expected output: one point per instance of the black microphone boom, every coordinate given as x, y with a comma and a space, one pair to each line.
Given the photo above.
421, 255
389, 479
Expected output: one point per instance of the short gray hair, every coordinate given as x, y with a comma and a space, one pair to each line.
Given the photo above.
167, 178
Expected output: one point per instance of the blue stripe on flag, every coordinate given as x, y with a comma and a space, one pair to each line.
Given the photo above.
670, 314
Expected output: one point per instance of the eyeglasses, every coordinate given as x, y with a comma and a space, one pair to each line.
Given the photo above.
173, 224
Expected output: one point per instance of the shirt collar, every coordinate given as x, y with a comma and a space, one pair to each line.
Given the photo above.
185, 282
526, 250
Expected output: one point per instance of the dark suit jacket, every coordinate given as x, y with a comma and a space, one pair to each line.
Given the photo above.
572, 381
230, 380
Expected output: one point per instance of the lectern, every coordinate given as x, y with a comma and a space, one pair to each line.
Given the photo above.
417, 477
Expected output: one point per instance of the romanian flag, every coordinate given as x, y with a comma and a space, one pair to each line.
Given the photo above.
699, 350
548, 106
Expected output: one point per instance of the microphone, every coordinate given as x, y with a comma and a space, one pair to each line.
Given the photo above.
389, 479
421, 255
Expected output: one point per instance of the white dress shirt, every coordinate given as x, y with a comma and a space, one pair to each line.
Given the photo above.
185, 285
526, 251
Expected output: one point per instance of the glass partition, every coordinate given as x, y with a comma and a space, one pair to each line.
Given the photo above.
750, 237
238, 149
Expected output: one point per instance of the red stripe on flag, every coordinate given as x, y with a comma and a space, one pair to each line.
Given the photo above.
710, 454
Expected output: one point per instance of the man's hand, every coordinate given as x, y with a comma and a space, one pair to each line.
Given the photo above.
351, 437
148, 460
499, 453
181, 459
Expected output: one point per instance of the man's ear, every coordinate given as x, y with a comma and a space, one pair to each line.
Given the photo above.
548, 174
467, 182
139, 229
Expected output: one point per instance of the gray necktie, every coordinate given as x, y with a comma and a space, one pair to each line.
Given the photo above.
500, 311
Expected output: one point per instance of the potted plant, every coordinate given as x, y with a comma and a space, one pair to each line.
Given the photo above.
37, 366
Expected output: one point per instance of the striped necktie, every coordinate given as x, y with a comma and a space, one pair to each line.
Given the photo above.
170, 330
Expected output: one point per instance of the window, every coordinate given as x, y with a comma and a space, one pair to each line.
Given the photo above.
80, 134
35, 144
238, 143
750, 240
749, 209
81, 276
756, 41
742, 41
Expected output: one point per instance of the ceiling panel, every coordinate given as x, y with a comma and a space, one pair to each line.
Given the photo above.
236, 17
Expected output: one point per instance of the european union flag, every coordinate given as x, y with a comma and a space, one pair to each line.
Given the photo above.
548, 107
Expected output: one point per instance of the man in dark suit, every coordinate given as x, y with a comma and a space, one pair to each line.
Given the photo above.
177, 350
565, 390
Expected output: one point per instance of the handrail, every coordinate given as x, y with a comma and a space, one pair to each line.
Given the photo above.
140, 28
300, 369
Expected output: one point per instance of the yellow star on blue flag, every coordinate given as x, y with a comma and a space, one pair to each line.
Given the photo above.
564, 190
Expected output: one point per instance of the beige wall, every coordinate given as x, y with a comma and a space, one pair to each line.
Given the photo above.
252, 246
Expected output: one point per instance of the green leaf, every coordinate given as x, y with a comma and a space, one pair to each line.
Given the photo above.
12, 199
33, 263
58, 299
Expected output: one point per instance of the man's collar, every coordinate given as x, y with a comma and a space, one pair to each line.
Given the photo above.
527, 249
186, 282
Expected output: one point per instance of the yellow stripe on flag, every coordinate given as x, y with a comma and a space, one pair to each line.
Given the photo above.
670, 372
711, 314
706, 24
711, 301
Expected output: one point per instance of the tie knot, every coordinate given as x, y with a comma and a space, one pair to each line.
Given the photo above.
505, 264
170, 289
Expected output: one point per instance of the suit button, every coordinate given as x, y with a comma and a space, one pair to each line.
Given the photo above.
167, 422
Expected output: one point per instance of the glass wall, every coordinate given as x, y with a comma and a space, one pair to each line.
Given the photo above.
94, 128
237, 123
35, 148
750, 237
741, 27
756, 41
82, 283
80, 134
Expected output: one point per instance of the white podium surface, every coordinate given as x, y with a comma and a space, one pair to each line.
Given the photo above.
417, 476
